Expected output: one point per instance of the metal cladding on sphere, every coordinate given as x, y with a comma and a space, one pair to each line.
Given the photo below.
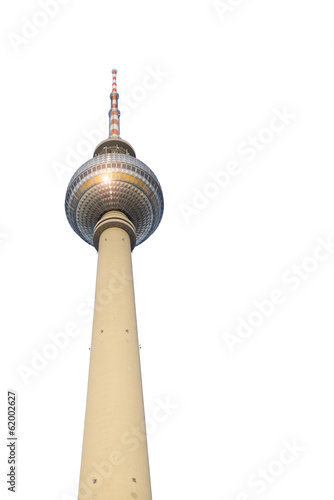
114, 180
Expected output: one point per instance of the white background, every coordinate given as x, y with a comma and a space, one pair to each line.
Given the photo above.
221, 78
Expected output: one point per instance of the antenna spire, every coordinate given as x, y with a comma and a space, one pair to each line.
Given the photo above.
114, 112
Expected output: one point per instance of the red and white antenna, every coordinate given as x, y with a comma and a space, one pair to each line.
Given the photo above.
114, 112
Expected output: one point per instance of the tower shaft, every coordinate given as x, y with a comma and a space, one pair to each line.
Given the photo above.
114, 462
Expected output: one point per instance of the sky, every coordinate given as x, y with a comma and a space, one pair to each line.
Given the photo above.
230, 103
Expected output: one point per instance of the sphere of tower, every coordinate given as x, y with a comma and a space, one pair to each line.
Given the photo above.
114, 179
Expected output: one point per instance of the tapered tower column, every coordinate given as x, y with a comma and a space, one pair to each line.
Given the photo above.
114, 466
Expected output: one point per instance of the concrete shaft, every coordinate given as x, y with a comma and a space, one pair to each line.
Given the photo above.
114, 462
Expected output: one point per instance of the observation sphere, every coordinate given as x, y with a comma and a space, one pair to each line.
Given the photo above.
114, 179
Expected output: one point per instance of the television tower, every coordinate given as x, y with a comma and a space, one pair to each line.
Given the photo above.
114, 202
